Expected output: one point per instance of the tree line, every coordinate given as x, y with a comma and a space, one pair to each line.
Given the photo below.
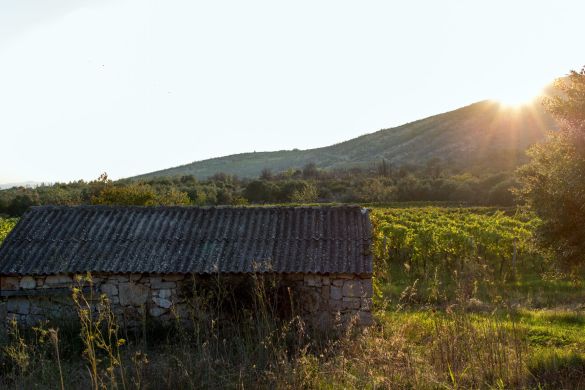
380, 183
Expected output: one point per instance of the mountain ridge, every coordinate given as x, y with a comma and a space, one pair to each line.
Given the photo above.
482, 135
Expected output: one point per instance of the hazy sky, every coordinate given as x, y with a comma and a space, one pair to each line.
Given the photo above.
129, 87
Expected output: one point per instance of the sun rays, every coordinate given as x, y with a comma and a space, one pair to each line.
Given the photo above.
518, 95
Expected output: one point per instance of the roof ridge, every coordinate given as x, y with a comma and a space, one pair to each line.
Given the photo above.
219, 207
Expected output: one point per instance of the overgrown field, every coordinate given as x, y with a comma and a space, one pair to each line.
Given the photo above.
512, 317
464, 300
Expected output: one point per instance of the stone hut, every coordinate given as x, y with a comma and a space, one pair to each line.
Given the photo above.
145, 258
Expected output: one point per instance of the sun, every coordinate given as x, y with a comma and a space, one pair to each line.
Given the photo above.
518, 97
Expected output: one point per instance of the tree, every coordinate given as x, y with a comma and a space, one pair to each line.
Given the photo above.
376, 190
553, 182
568, 105
298, 191
259, 191
173, 197
384, 169
307, 193
140, 194
310, 171
131, 195
266, 174
22, 202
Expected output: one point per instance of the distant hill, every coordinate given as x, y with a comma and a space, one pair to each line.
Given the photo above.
27, 184
483, 136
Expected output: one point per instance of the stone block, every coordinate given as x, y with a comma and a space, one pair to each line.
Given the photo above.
350, 303
309, 300
166, 317
135, 277
353, 288
337, 282
58, 280
325, 281
334, 305
28, 283
161, 302
118, 279
18, 306
335, 293
156, 311
37, 310
110, 289
312, 280
367, 288
158, 284
164, 293
9, 283
132, 294
325, 290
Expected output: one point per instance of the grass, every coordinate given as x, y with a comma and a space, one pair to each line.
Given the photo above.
411, 346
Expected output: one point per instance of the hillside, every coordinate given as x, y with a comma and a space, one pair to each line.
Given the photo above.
479, 137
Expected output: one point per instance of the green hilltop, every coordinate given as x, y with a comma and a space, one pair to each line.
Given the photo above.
483, 136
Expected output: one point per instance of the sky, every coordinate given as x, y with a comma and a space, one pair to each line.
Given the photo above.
132, 86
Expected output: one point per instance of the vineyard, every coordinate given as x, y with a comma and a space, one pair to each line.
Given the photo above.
472, 250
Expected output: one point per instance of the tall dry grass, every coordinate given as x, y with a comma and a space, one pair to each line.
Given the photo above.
226, 343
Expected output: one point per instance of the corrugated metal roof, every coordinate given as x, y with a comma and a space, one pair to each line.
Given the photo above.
52, 239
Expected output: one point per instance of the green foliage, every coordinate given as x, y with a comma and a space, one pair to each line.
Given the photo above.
134, 194
377, 190
138, 194
464, 247
552, 182
380, 184
21, 202
305, 193
259, 191
6, 225
568, 104
558, 369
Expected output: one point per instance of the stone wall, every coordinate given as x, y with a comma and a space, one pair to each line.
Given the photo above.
322, 300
